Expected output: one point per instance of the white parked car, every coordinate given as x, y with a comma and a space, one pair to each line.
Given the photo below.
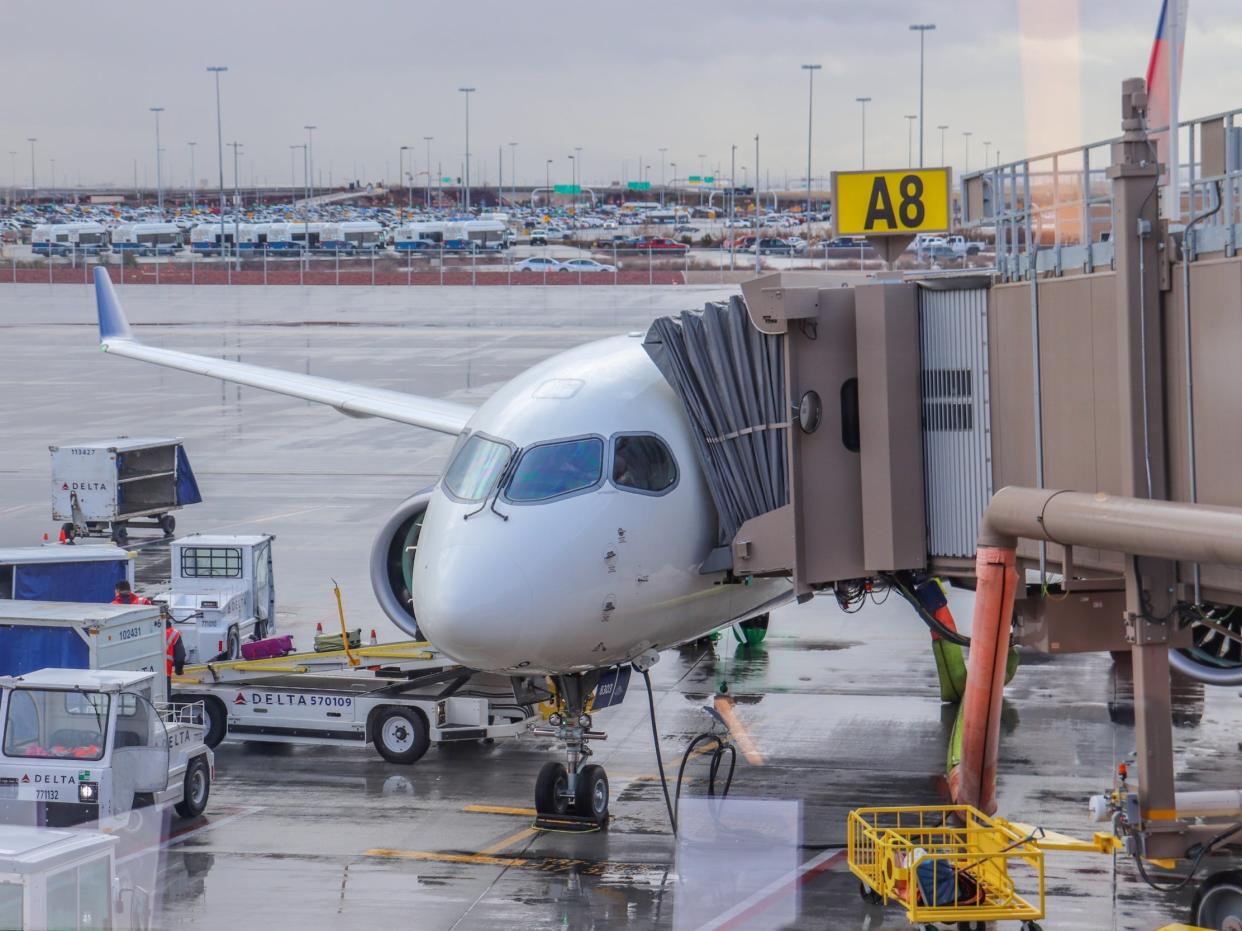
586, 265
538, 263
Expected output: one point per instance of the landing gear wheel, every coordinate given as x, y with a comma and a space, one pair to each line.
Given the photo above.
120, 536
197, 789
233, 650
401, 735
168, 524
754, 631
591, 798
869, 895
551, 789
67, 533
1218, 903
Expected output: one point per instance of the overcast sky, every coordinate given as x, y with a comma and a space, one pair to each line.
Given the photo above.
621, 80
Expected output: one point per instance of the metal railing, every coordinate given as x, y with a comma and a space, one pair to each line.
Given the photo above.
1058, 206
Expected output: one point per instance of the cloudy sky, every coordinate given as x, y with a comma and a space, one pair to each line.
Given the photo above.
619, 80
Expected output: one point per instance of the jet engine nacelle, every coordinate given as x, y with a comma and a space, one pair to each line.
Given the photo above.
392, 561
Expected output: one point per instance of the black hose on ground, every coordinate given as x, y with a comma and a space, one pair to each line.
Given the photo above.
655, 736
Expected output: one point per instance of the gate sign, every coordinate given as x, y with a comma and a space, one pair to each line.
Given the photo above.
890, 203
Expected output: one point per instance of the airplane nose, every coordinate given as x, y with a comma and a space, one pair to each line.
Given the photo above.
474, 605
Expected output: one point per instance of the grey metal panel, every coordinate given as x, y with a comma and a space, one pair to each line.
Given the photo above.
953, 336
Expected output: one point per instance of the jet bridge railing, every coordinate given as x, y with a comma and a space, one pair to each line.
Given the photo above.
1058, 207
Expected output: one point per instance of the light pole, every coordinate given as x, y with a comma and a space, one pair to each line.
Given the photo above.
578, 153
986, 146
193, 193
217, 71
758, 213
663, 151
864, 101
702, 173
547, 180
293, 173
732, 204
942, 127
13, 173
401, 176
513, 173
910, 118
427, 139
32, 141
810, 117
310, 159
159, 187
673, 165
467, 91
966, 146
922, 29
573, 175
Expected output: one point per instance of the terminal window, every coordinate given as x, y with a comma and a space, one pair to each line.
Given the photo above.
211, 562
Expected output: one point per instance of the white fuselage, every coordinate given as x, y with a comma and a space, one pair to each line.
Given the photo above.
590, 578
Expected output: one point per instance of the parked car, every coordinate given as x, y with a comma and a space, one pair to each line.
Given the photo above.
586, 265
660, 244
772, 246
537, 263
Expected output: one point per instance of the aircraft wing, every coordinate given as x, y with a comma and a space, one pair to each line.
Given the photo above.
116, 338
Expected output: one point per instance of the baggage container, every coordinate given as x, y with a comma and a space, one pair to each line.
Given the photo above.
64, 573
67, 635
100, 489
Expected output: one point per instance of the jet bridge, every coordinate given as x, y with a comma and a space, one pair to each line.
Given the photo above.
1098, 355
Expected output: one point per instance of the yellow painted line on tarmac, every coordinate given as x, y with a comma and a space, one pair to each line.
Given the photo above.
499, 810
477, 858
508, 841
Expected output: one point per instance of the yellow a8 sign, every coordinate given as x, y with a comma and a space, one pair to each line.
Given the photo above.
891, 203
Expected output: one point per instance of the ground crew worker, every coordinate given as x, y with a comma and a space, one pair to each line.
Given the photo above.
125, 595
175, 660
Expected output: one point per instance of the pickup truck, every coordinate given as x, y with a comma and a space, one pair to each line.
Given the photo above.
955, 246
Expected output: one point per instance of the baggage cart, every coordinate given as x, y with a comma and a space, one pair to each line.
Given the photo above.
105, 488
947, 863
64, 573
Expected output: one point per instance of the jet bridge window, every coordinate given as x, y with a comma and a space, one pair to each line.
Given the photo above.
554, 469
643, 463
475, 469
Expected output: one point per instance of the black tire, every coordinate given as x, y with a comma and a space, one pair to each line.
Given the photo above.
232, 647
216, 717
400, 734
1218, 900
869, 895
197, 789
591, 795
168, 524
551, 788
120, 536
971, 926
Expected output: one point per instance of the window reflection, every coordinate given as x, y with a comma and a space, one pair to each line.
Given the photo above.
557, 469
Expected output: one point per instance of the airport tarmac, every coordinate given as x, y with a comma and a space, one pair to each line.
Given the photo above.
843, 710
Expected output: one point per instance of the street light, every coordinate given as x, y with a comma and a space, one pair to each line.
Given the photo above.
427, 139
986, 146
578, 162
217, 71
663, 150
673, 165
401, 176
467, 91
547, 180
513, 173
864, 101
310, 158
193, 197
13, 172
942, 127
922, 29
910, 118
758, 213
966, 145
159, 187
32, 141
810, 116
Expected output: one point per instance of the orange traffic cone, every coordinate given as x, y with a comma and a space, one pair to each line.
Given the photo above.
374, 639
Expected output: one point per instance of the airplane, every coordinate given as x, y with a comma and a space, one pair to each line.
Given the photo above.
566, 536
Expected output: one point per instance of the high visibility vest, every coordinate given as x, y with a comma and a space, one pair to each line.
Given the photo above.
129, 598
171, 636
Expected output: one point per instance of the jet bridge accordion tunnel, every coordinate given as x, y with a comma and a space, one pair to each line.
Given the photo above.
855, 432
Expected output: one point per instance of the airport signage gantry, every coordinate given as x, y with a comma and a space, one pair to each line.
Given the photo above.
1063, 424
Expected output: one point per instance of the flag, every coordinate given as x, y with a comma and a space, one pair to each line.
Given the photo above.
1166, 51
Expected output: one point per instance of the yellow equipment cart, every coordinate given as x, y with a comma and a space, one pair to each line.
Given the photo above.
947, 863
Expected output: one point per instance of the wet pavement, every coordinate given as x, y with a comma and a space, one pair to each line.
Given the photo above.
842, 710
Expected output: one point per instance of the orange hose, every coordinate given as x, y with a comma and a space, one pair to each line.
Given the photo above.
973, 780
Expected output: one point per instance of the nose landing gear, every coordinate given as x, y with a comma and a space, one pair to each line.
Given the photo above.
572, 796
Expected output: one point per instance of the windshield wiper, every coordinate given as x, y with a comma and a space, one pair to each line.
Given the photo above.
495, 493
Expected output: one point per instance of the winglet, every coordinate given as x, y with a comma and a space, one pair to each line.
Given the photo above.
112, 322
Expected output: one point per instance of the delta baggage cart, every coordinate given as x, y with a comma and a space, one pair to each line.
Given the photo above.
104, 488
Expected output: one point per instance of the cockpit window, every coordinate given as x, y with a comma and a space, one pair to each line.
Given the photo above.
557, 469
643, 463
473, 473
